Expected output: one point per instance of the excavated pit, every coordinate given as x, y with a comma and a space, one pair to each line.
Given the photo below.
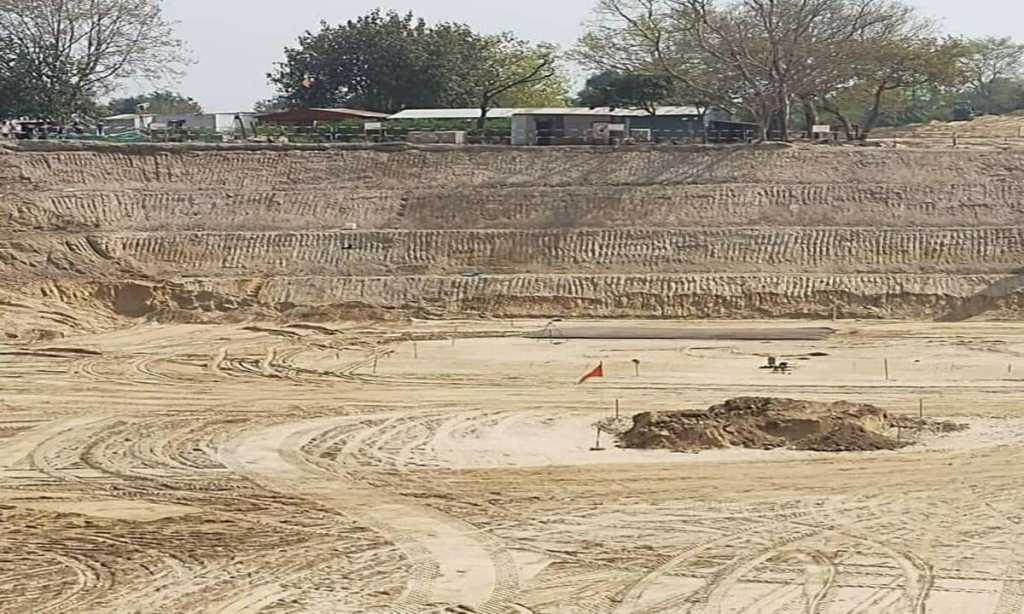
207, 233
766, 423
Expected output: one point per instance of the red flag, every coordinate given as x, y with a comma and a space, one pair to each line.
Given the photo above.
597, 372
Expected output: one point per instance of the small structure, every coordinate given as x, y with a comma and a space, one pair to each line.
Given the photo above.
595, 125
450, 114
128, 121
311, 117
570, 126
220, 122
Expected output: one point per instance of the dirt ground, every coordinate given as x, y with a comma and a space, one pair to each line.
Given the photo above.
345, 468
287, 379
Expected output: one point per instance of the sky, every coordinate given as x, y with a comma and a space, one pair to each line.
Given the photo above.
236, 42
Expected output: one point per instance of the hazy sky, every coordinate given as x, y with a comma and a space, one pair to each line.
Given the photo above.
235, 42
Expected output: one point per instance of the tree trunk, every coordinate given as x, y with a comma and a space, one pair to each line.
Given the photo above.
764, 123
481, 122
763, 117
784, 108
810, 115
843, 119
874, 113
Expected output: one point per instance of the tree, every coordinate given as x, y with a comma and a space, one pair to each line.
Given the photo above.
270, 105
76, 50
897, 66
1001, 96
756, 55
645, 91
481, 69
553, 92
389, 62
640, 37
990, 64
160, 103
379, 62
16, 96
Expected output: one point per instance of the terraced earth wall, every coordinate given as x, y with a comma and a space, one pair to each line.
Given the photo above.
772, 231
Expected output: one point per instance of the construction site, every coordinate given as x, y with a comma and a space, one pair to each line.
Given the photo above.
318, 378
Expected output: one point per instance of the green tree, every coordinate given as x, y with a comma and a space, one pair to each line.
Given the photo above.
482, 70
992, 64
270, 105
380, 62
72, 51
1000, 96
891, 77
161, 102
645, 91
551, 93
16, 95
388, 62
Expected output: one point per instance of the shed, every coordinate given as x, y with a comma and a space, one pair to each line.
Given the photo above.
220, 122
564, 125
463, 114
672, 122
307, 117
581, 125
128, 121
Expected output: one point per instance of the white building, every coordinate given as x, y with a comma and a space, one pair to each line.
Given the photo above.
219, 122
128, 121
583, 125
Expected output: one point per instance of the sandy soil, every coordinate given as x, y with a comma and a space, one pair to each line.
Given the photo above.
195, 233
345, 468
196, 417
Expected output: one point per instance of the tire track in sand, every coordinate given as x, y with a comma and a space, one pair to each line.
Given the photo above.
470, 569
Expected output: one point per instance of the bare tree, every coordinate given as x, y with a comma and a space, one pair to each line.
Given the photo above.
75, 50
990, 61
484, 68
899, 65
759, 55
643, 37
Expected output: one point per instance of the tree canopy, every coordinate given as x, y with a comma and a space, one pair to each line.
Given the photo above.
640, 90
389, 61
160, 102
767, 58
66, 53
993, 67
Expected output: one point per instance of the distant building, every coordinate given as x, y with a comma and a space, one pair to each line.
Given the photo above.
597, 125
450, 114
128, 121
219, 122
570, 125
310, 117
603, 125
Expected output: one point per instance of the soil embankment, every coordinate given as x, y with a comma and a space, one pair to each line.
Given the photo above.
207, 233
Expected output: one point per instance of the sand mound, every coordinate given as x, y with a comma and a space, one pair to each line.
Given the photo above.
846, 437
765, 423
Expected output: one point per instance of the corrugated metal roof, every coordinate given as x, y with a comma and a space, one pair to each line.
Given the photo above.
340, 111
683, 110
502, 113
451, 114
360, 112
575, 111
124, 116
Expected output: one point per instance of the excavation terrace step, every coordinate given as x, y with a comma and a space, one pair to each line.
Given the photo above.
297, 206
631, 250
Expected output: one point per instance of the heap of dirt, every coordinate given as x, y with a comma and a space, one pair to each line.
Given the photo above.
766, 423
846, 437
